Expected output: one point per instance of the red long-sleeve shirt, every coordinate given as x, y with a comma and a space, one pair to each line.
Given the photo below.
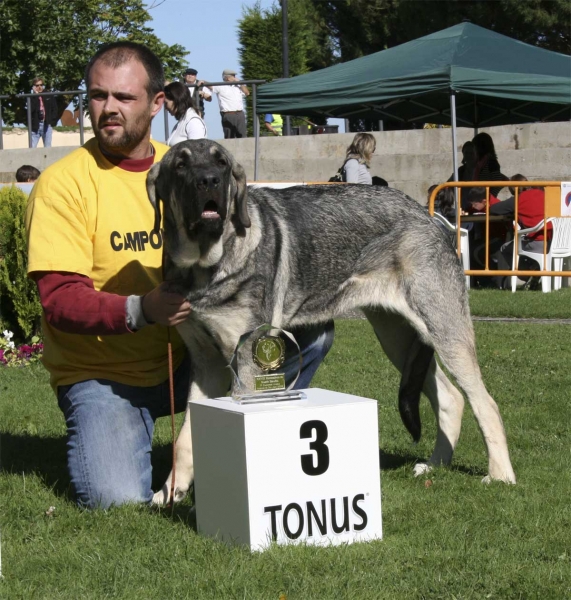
531, 210
70, 302
72, 305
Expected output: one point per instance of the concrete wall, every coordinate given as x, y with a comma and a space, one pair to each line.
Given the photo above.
18, 138
409, 160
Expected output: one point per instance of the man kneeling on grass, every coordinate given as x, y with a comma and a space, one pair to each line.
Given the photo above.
97, 263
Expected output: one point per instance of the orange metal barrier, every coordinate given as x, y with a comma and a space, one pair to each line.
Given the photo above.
552, 208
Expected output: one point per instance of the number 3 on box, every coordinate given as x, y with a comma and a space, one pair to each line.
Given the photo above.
318, 446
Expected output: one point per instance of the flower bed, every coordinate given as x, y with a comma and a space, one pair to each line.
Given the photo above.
19, 356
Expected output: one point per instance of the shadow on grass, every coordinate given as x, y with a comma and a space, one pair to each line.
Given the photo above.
391, 462
46, 457
180, 513
475, 471
161, 459
43, 456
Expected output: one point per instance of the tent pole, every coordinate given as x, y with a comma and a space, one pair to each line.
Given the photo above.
454, 153
453, 118
256, 124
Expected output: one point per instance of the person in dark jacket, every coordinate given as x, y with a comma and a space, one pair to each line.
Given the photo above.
44, 114
487, 167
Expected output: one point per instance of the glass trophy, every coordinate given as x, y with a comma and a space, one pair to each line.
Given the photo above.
259, 366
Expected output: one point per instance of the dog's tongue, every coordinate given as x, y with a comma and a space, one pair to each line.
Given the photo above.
210, 214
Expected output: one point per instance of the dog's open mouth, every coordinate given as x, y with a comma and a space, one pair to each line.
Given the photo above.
210, 211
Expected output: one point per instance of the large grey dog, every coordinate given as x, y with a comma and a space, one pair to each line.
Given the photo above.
304, 255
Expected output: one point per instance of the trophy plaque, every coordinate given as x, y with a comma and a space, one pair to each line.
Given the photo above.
261, 362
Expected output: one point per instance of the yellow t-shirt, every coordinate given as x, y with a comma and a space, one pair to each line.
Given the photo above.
87, 216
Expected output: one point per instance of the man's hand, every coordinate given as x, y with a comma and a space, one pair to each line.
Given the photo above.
165, 307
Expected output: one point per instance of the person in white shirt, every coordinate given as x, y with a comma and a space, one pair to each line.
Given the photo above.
231, 102
358, 159
179, 104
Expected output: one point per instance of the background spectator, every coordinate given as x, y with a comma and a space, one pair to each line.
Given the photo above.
190, 79
531, 210
518, 177
487, 166
476, 203
44, 114
444, 203
467, 168
231, 102
358, 159
274, 124
189, 124
27, 174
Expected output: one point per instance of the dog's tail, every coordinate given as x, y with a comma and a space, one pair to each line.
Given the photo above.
414, 373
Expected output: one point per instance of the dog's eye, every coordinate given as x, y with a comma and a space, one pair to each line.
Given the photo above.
222, 162
180, 166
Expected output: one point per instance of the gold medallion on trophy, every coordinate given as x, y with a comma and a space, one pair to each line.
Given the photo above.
269, 352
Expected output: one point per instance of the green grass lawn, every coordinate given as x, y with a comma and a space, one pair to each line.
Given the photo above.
454, 538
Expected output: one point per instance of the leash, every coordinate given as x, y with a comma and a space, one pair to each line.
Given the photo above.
173, 429
171, 397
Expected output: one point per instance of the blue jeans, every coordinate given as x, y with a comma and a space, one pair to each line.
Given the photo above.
110, 426
45, 132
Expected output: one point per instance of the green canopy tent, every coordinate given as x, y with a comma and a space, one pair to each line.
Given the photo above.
464, 74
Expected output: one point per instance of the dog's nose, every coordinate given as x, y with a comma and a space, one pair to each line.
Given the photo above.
208, 182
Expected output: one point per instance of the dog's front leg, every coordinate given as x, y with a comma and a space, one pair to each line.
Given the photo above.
210, 379
184, 465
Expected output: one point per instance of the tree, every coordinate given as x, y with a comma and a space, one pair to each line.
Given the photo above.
55, 39
260, 36
361, 27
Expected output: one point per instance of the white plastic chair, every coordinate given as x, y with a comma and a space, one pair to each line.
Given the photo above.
538, 257
560, 246
464, 242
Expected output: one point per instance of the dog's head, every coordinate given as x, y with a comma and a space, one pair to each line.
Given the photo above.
202, 189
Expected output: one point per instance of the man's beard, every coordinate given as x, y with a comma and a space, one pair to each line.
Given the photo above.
124, 141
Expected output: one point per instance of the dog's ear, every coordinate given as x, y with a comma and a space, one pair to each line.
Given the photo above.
153, 193
241, 195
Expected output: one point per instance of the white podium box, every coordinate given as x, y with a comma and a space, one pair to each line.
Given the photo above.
291, 471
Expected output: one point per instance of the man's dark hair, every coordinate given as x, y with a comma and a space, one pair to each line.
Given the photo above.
119, 53
27, 173
476, 194
177, 92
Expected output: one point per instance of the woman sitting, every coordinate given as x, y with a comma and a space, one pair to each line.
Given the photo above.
358, 159
189, 125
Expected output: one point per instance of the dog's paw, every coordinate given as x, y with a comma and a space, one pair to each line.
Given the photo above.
509, 479
421, 469
162, 497
180, 494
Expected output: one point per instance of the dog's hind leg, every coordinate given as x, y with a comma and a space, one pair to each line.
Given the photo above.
420, 371
458, 354
443, 321
448, 405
